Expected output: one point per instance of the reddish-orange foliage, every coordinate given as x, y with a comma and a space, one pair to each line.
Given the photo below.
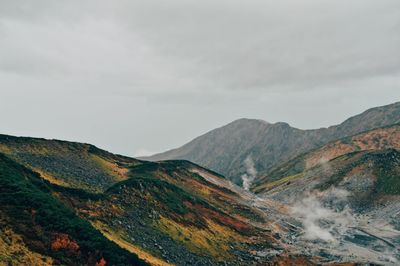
62, 241
219, 218
101, 262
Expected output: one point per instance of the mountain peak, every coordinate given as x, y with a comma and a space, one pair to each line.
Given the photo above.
224, 149
250, 120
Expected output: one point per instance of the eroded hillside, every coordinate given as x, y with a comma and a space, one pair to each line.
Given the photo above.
347, 208
38, 229
126, 212
377, 139
168, 213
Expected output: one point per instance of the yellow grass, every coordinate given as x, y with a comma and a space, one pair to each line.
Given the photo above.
116, 238
113, 169
214, 240
5, 149
271, 185
50, 178
13, 251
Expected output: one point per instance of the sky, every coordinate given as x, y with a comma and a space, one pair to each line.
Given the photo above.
139, 77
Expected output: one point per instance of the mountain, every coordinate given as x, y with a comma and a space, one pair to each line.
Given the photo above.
347, 205
74, 204
225, 149
376, 139
38, 229
66, 203
346, 192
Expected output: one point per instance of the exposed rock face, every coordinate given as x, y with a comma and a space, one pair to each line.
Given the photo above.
167, 213
342, 209
225, 149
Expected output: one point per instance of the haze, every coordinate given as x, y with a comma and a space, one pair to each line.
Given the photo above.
138, 77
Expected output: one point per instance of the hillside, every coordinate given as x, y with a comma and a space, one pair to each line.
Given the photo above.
179, 213
376, 139
225, 149
168, 213
372, 173
69, 164
348, 205
37, 229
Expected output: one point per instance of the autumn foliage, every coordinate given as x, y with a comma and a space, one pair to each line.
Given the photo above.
101, 262
62, 241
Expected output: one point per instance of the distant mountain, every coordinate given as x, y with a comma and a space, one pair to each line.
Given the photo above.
225, 149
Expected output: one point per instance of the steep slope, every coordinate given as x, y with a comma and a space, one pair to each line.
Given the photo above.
167, 213
37, 229
376, 139
70, 164
170, 213
375, 172
347, 207
179, 213
225, 149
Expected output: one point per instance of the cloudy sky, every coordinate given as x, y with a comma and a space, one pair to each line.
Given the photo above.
136, 77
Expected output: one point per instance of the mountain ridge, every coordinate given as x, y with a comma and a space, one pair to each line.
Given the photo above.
387, 137
172, 212
225, 149
167, 213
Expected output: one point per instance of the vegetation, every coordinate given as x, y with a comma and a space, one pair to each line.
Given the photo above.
376, 139
172, 196
101, 209
388, 172
224, 149
69, 164
47, 226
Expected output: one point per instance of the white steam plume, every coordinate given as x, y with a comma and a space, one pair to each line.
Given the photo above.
321, 222
250, 174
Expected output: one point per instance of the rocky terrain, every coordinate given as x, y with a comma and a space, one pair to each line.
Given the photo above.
376, 139
346, 196
38, 229
226, 149
66, 203
167, 213
68, 164
348, 208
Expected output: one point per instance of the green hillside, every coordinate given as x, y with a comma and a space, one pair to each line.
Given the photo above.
48, 227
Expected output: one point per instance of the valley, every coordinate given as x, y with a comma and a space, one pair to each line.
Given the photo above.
67, 203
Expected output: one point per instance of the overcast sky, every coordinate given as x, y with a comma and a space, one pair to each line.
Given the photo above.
137, 77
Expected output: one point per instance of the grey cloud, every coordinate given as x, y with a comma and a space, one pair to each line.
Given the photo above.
309, 43
200, 63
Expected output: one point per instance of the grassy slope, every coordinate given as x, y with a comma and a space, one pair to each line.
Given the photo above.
163, 212
377, 139
67, 163
48, 228
367, 175
170, 213
383, 165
